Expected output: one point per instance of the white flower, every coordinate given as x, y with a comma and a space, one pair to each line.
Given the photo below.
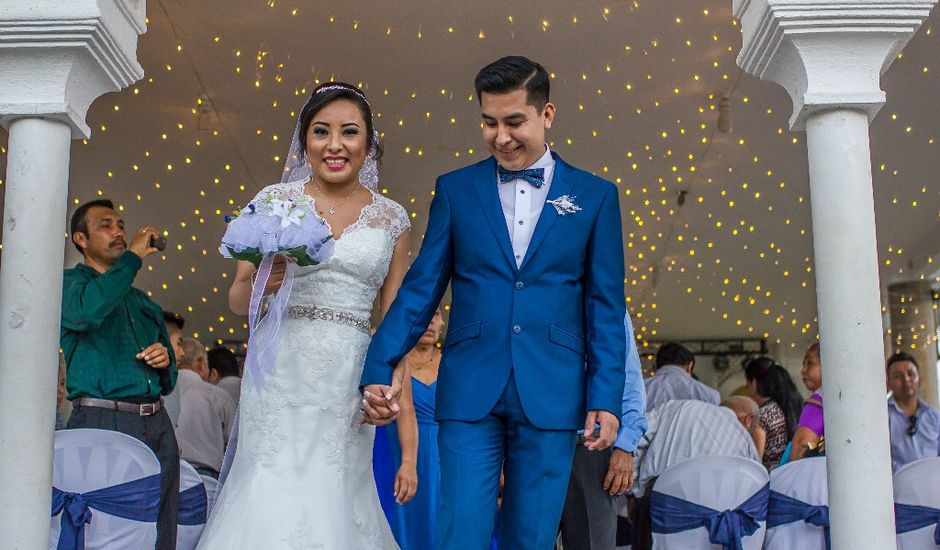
564, 205
286, 211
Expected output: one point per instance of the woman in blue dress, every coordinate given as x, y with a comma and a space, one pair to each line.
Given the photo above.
413, 520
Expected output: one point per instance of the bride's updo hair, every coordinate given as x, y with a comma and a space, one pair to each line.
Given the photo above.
327, 93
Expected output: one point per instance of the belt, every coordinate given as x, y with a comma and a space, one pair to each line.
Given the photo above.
332, 315
142, 409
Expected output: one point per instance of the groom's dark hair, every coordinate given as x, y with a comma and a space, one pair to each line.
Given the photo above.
512, 73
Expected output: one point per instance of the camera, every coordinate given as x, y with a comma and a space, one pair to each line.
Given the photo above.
158, 242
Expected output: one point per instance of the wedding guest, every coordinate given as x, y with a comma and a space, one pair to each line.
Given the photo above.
771, 387
116, 346
914, 426
811, 428
683, 429
589, 518
673, 378
206, 412
174, 327
414, 523
224, 371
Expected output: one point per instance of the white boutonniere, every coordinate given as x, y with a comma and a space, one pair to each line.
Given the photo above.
564, 205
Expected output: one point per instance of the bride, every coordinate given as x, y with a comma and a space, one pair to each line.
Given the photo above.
301, 477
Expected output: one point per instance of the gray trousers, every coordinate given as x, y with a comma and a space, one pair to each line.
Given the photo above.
589, 519
156, 432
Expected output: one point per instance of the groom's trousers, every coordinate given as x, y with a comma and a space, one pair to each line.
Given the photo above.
537, 464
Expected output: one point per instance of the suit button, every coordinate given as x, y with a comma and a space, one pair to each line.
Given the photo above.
520, 285
516, 329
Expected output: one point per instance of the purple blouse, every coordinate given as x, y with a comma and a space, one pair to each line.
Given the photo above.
812, 415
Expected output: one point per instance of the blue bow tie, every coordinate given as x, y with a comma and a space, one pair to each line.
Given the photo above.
535, 176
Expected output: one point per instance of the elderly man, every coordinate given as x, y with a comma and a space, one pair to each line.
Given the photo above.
206, 412
673, 378
682, 429
913, 425
116, 347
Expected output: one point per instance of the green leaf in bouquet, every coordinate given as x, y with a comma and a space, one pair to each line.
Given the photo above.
252, 255
299, 253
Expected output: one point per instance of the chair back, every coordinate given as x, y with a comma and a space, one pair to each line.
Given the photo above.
212, 489
717, 482
799, 505
88, 461
193, 510
917, 504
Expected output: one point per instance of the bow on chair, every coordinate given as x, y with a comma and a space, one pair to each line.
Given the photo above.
673, 515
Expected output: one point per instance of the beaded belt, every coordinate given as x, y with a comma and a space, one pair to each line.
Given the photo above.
327, 314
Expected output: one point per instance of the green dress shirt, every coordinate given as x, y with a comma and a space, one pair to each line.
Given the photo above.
105, 323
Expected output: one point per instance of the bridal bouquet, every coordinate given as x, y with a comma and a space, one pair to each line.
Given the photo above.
266, 227
269, 226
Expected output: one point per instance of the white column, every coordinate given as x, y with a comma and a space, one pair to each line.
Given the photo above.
829, 55
30, 299
56, 58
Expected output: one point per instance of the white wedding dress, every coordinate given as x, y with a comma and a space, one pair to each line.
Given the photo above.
302, 475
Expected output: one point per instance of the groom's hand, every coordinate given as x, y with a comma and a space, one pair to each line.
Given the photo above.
608, 432
380, 402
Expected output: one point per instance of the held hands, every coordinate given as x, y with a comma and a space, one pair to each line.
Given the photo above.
620, 473
155, 355
140, 242
608, 431
380, 402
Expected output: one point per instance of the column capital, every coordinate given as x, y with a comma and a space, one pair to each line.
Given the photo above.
827, 54
57, 57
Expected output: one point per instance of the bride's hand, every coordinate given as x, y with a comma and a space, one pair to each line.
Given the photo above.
380, 402
406, 483
276, 278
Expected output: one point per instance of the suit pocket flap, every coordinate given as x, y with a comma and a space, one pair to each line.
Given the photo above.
461, 333
564, 338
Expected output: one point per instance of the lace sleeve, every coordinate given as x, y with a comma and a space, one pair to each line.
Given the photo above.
390, 215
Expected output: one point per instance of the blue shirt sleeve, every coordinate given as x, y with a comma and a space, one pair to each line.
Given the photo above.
633, 418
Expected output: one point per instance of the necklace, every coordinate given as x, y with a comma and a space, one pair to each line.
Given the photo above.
419, 365
333, 207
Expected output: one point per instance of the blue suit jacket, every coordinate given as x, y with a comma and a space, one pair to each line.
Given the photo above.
556, 322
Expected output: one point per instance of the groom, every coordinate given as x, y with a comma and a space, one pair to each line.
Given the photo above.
533, 250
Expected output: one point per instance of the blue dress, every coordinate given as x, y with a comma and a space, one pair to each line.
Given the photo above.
414, 524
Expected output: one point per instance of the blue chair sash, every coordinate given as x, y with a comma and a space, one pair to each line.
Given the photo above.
137, 500
194, 506
673, 515
909, 517
782, 509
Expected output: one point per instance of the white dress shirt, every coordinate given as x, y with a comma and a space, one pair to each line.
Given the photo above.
684, 429
522, 205
206, 414
672, 382
232, 385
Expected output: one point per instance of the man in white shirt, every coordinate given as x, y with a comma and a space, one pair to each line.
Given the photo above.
673, 378
682, 429
206, 412
224, 371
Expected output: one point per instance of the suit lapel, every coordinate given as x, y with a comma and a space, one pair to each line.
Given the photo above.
484, 179
562, 184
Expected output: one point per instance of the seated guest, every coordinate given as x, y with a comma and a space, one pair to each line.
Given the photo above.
683, 429
174, 328
206, 412
771, 387
223, 371
914, 426
673, 378
811, 429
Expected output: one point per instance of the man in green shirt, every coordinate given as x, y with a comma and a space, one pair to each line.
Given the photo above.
116, 347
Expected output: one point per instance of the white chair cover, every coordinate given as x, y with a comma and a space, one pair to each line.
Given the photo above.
804, 480
187, 536
718, 482
88, 460
918, 483
212, 488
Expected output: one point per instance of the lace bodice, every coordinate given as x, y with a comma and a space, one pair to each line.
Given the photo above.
350, 279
